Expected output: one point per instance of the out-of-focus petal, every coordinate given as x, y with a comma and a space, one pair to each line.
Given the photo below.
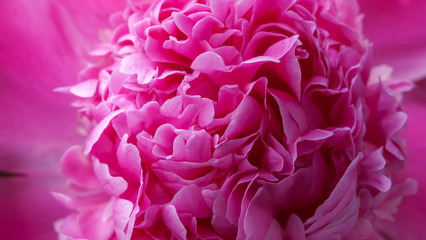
90, 18
410, 218
398, 31
37, 55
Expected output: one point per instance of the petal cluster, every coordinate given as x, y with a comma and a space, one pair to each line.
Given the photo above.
221, 119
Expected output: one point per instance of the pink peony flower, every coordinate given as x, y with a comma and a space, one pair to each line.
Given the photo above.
248, 119
234, 119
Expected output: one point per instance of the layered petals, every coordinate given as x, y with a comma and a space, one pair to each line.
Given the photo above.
211, 119
238, 119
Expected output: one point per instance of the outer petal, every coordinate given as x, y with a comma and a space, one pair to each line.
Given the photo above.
409, 220
398, 32
36, 124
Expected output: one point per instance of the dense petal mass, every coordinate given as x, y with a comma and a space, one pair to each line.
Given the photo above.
223, 119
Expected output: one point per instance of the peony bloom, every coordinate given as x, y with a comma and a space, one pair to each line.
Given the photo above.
234, 119
248, 119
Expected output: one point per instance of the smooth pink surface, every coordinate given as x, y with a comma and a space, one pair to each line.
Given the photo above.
39, 52
36, 124
397, 30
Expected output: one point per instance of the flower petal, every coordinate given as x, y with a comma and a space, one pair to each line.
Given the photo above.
408, 221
